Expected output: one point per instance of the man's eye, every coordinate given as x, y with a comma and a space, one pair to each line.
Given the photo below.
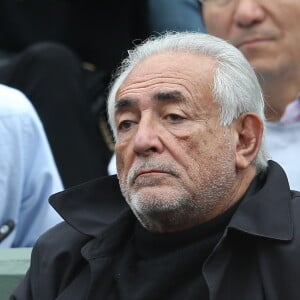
174, 118
125, 125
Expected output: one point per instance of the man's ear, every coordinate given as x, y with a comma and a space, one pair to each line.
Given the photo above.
248, 136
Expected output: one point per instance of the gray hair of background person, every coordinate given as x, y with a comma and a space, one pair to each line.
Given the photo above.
235, 87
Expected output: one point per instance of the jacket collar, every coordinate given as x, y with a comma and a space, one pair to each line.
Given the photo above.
267, 212
91, 206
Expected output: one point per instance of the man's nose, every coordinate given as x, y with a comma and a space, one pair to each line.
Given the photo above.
248, 13
148, 139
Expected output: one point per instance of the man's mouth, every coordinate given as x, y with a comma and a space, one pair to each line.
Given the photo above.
149, 172
252, 42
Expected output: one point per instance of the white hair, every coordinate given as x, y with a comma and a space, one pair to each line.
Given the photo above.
235, 87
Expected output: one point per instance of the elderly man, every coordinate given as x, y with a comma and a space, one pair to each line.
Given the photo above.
267, 32
204, 214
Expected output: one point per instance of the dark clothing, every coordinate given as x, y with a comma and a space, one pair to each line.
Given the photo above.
256, 257
174, 258
99, 32
52, 77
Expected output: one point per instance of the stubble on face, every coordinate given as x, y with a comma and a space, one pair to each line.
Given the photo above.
166, 204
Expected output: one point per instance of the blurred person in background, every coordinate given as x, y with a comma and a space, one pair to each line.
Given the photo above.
28, 174
267, 33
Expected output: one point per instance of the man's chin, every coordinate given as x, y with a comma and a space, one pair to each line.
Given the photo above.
154, 191
262, 64
150, 200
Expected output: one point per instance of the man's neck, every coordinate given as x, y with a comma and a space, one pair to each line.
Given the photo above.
278, 94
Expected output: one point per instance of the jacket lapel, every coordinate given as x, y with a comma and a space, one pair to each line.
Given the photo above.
232, 271
103, 253
102, 205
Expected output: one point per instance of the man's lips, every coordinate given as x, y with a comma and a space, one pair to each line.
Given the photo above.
146, 172
253, 41
151, 171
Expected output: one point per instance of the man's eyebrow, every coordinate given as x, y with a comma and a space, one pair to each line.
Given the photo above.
170, 95
160, 97
125, 102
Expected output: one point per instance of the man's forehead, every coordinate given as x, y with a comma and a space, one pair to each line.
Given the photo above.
167, 68
172, 59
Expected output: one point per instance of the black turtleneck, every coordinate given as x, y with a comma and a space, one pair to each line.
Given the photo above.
168, 266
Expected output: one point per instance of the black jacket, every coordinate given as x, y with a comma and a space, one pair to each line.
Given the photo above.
257, 258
